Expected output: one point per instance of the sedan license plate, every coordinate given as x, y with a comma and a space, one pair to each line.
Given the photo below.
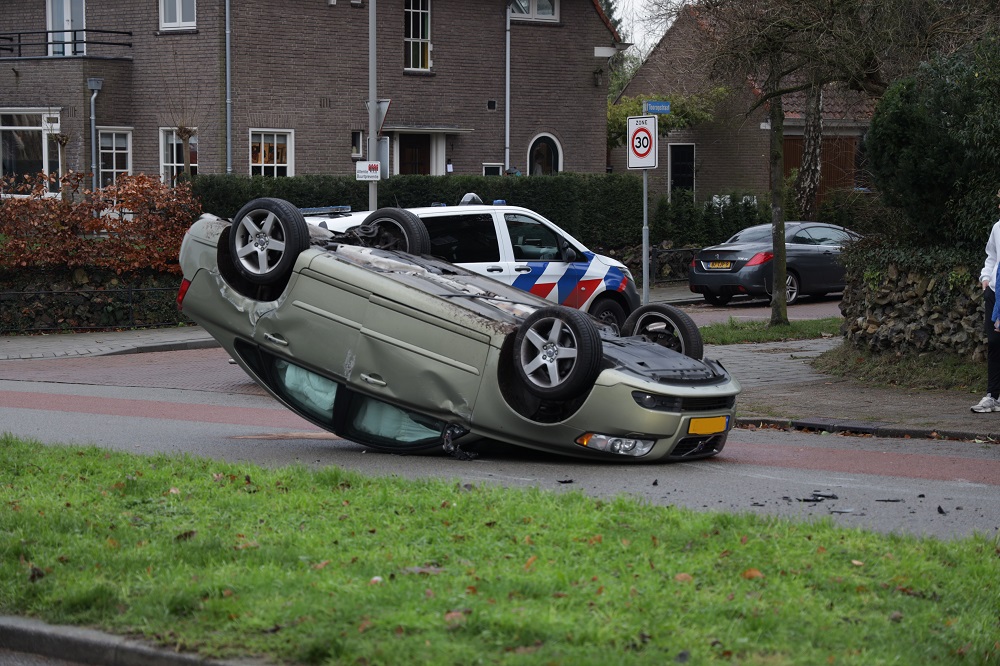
720, 264
708, 425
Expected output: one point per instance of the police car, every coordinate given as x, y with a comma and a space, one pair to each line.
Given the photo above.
516, 246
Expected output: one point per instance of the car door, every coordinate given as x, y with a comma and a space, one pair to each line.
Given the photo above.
546, 263
827, 269
320, 321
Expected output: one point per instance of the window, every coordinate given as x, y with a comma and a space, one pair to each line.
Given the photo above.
177, 15
531, 240
66, 21
115, 146
27, 146
535, 10
357, 144
680, 167
271, 153
172, 155
544, 157
492, 169
417, 34
463, 239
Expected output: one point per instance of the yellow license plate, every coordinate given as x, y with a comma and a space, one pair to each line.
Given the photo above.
708, 425
720, 264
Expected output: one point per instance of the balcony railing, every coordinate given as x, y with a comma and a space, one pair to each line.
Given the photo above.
59, 43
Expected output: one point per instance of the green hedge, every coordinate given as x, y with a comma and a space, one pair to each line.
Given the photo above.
602, 210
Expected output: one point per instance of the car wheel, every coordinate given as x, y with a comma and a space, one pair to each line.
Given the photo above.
266, 238
667, 326
717, 299
395, 229
791, 288
557, 353
610, 312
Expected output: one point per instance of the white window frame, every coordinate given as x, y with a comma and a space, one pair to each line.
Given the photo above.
170, 168
101, 152
289, 163
357, 147
48, 127
179, 23
532, 11
423, 13
491, 166
66, 30
559, 148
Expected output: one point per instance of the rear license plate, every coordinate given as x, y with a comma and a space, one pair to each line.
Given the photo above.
708, 425
720, 264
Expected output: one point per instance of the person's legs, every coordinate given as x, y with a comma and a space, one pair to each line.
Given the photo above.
990, 403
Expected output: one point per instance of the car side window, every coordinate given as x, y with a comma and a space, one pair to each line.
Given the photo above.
463, 239
311, 392
531, 240
803, 237
827, 236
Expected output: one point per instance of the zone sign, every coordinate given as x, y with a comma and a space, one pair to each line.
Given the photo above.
642, 150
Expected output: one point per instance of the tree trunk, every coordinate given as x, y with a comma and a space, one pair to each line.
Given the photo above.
185, 134
779, 305
807, 183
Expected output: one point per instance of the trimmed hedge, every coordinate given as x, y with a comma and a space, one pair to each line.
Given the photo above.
604, 211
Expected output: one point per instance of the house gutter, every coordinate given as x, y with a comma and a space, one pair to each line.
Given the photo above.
506, 106
229, 92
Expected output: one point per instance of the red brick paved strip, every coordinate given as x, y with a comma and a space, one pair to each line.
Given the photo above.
276, 417
854, 461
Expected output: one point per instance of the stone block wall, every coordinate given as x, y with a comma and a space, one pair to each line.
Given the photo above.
905, 313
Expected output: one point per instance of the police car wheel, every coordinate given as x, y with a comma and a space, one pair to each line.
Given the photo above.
557, 353
667, 326
397, 229
610, 312
266, 238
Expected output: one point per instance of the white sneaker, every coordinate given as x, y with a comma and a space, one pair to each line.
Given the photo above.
986, 405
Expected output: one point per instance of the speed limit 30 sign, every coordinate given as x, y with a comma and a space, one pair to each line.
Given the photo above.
642, 150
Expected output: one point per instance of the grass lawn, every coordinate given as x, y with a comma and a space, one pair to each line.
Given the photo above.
331, 567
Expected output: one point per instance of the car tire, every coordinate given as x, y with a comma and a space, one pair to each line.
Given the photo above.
792, 288
717, 299
610, 312
266, 237
557, 353
667, 326
396, 229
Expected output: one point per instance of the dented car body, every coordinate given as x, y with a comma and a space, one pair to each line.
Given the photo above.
406, 353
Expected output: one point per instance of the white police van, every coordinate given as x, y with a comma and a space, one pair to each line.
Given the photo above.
521, 248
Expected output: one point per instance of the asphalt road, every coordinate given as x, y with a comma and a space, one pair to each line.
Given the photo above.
195, 401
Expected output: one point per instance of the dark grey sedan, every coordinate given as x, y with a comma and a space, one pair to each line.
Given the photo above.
743, 264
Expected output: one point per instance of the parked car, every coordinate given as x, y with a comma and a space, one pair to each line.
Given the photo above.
742, 265
366, 335
523, 249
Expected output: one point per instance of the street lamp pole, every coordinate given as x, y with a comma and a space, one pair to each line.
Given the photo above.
372, 106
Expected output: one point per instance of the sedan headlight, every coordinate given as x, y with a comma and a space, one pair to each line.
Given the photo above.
626, 446
660, 403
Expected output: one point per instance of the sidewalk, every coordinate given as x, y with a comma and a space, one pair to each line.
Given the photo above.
779, 387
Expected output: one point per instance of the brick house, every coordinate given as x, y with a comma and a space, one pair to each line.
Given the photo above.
730, 154
298, 72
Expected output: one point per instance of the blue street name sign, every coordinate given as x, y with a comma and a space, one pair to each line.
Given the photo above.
652, 106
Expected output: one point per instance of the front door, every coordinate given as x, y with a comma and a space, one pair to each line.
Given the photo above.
415, 154
66, 26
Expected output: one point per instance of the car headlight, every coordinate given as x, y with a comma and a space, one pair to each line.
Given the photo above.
660, 403
626, 446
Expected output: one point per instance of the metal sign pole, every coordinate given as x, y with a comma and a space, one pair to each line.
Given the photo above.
372, 106
645, 236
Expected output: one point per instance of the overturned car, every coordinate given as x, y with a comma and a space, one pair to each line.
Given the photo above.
363, 333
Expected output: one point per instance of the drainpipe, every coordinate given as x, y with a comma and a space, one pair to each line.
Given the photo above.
506, 101
229, 93
95, 86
